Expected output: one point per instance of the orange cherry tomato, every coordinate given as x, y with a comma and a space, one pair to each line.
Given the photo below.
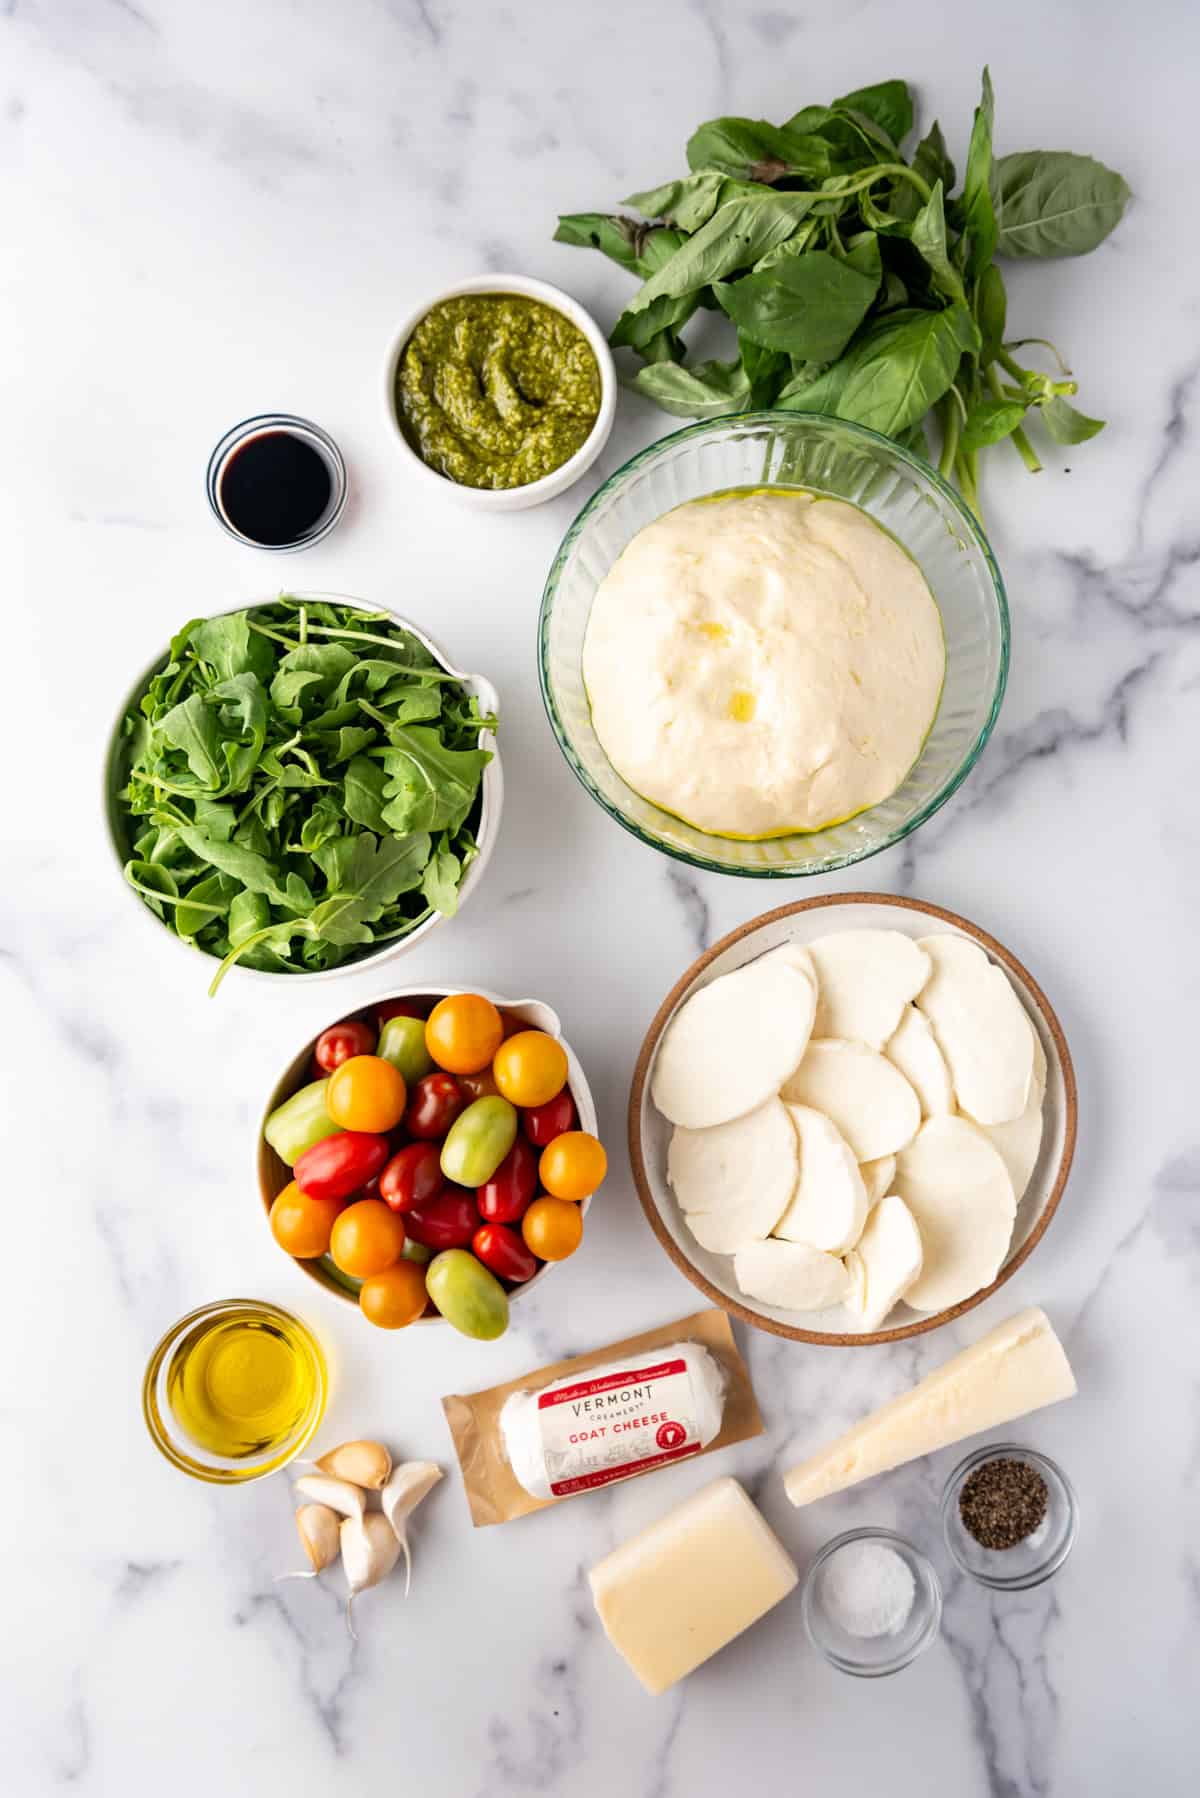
302, 1226
366, 1238
552, 1228
395, 1297
573, 1165
530, 1068
463, 1032
366, 1093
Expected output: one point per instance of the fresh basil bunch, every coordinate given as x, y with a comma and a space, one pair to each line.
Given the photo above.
300, 784
859, 284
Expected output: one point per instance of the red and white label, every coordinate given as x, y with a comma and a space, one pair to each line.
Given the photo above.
597, 1431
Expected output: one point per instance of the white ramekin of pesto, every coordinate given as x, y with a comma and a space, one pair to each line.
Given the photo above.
502, 390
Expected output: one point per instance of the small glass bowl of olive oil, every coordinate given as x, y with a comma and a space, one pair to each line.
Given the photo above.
234, 1390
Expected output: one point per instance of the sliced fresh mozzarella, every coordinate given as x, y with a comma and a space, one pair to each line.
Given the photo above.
981, 1027
877, 1177
795, 955
829, 1207
865, 978
1020, 1140
733, 1044
961, 1198
734, 1182
914, 1049
792, 1275
889, 1257
868, 1099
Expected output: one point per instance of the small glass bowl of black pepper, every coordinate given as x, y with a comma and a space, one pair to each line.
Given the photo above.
277, 482
1009, 1516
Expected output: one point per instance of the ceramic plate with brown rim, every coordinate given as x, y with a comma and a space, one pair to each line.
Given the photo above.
650, 1133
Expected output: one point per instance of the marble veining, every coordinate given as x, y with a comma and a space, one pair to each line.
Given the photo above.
219, 210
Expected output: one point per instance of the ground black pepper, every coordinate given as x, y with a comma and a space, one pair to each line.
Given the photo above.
1003, 1502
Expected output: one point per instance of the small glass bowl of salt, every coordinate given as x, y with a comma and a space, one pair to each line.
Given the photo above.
871, 1602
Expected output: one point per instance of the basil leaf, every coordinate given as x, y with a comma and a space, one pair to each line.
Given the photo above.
991, 312
1067, 425
809, 306
932, 161
887, 104
737, 234
753, 150
708, 390
794, 245
892, 375
1052, 203
928, 235
614, 236
990, 421
764, 370
687, 204
635, 330
979, 215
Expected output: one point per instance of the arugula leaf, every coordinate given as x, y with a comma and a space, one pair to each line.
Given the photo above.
809, 306
442, 877
887, 104
978, 211
192, 727
429, 787
363, 787
708, 390
229, 645
1052, 203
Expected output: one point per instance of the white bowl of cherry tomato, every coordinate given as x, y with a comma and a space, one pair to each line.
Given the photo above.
431, 1156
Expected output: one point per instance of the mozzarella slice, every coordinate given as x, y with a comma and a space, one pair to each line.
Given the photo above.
914, 1050
877, 1177
958, 1190
829, 1207
981, 1028
865, 978
1020, 1140
889, 1257
868, 1099
733, 1044
792, 1275
794, 955
734, 1182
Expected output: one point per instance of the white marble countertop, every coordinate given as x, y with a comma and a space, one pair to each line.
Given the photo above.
222, 209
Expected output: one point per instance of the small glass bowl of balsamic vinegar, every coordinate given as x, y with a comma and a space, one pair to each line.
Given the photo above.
234, 1390
277, 482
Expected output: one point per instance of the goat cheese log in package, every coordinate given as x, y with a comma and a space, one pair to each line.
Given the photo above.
665, 1396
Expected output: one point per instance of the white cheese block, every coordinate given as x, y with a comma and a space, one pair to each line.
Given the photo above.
685, 1587
1016, 1368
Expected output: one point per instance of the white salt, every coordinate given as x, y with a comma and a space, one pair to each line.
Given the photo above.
868, 1589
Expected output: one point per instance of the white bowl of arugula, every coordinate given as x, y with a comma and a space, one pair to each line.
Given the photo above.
303, 786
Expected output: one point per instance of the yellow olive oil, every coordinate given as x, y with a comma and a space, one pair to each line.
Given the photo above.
240, 1383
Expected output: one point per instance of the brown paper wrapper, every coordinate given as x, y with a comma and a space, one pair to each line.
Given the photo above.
494, 1493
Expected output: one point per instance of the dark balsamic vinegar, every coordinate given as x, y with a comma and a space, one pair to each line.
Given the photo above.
275, 488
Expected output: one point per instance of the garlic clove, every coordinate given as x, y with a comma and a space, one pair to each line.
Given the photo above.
362, 1463
317, 1527
339, 1495
370, 1550
407, 1485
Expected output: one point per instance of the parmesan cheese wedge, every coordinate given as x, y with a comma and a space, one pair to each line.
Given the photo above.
792, 1275
957, 1188
865, 978
887, 1262
981, 1027
829, 1206
1019, 1141
733, 1044
734, 1182
869, 1100
877, 1178
1016, 1368
914, 1050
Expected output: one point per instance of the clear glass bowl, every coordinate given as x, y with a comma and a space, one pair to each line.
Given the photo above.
1027, 1563
189, 1456
870, 1657
826, 455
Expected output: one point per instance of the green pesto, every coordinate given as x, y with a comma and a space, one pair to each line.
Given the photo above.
494, 390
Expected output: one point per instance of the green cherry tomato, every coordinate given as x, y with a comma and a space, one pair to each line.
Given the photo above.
300, 1122
415, 1251
467, 1295
478, 1140
402, 1042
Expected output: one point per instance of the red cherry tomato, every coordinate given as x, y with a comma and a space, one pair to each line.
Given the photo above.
339, 1165
478, 1086
398, 1008
447, 1222
503, 1198
341, 1041
503, 1251
413, 1177
542, 1123
433, 1104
